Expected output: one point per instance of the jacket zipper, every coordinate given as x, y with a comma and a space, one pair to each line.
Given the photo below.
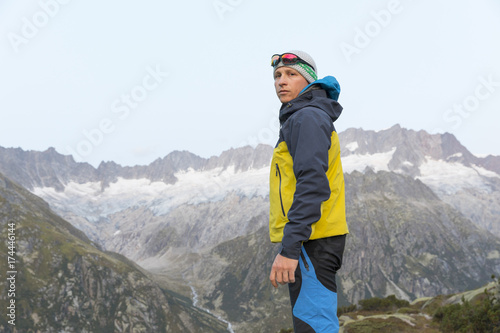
306, 265
278, 174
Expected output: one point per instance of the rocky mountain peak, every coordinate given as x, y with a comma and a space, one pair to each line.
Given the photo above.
421, 209
242, 159
51, 169
407, 149
492, 163
47, 168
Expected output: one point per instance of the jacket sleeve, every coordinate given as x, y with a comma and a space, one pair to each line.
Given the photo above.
308, 140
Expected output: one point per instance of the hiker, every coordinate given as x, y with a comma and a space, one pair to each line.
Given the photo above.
307, 200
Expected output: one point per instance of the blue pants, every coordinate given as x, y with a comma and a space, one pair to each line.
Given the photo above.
314, 293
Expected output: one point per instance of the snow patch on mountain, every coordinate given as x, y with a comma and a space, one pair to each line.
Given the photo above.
451, 177
377, 162
352, 146
192, 187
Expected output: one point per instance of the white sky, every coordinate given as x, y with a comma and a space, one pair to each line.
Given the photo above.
67, 67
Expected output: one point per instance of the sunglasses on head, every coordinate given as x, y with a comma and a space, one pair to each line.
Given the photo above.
288, 59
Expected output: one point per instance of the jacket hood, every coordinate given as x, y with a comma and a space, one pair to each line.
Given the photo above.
328, 84
322, 94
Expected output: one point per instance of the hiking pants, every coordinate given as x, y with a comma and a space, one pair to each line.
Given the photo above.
314, 293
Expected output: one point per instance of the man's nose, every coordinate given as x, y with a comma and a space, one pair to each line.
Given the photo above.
282, 81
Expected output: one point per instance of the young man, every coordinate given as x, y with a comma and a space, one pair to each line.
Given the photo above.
307, 202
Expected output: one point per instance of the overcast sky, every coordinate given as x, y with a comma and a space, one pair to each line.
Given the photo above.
131, 81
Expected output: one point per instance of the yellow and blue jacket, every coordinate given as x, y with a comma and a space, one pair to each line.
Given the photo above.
307, 198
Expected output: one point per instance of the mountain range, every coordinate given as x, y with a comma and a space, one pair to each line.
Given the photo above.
423, 214
60, 281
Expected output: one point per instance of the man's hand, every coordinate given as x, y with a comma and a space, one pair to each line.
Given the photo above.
283, 270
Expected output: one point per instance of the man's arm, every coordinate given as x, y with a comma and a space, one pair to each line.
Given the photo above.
283, 270
308, 138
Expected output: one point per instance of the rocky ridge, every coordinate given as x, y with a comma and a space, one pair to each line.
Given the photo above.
202, 225
66, 283
403, 241
470, 184
33, 169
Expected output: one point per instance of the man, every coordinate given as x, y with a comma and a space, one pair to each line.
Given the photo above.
307, 202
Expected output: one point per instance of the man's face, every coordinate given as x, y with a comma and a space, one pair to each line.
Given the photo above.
288, 83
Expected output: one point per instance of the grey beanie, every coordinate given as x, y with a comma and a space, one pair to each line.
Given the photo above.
306, 71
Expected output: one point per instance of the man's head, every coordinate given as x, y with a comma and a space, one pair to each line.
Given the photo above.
293, 71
